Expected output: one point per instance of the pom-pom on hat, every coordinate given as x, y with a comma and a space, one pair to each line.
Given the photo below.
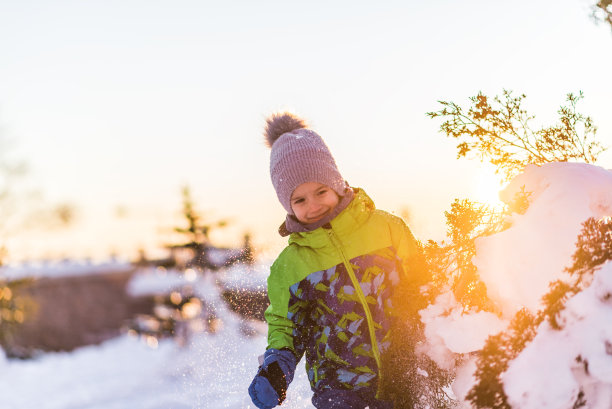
298, 155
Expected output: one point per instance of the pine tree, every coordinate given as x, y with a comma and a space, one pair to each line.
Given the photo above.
197, 232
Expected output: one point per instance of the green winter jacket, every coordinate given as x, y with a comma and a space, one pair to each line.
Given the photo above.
330, 294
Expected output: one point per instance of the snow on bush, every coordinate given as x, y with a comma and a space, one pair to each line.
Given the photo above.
558, 368
445, 320
573, 361
517, 264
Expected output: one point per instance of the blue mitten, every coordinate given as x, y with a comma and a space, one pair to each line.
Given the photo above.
269, 387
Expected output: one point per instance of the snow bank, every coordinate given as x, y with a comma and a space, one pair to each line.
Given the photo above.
62, 269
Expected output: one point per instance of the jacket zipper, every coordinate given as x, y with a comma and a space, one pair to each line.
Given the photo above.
362, 299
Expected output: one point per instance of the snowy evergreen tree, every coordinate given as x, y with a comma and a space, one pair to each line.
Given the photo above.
498, 130
593, 249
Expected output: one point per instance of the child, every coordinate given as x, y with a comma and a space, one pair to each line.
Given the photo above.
330, 289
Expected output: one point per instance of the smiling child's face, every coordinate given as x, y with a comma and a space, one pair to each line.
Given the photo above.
311, 201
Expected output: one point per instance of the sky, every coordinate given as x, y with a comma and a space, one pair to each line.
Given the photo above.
114, 106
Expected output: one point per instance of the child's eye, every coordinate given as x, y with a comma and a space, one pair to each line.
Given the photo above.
322, 191
298, 201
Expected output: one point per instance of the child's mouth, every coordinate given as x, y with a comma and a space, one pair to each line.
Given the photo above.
318, 217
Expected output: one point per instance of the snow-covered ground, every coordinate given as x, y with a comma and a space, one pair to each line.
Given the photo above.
62, 268
212, 370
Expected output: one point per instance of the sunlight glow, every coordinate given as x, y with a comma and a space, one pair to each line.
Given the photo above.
487, 186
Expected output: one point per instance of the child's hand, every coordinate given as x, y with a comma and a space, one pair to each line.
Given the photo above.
263, 394
269, 386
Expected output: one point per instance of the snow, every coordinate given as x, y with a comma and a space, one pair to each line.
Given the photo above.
449, 331
62, 268
154, 281
517, 266
209, 373
212, 370
252, 278
578, 357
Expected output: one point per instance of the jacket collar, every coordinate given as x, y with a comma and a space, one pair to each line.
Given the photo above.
292, 225
350, 219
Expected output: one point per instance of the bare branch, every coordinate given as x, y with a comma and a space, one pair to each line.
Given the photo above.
500, 132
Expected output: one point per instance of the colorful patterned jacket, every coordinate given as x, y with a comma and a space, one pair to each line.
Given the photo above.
330, 294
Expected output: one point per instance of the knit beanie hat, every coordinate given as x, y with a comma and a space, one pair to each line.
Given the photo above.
298, 155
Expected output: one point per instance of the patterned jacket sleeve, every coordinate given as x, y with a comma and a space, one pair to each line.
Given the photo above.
300, 315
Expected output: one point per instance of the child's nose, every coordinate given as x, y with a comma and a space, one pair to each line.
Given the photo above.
315, 206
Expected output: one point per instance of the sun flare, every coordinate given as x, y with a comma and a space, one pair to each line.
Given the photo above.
487, 186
